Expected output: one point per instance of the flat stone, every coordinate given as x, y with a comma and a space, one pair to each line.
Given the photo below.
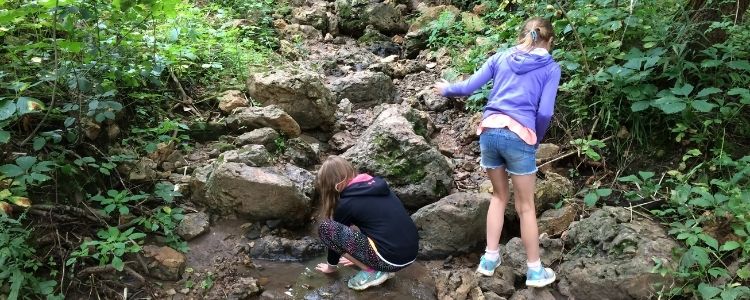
164, 262
193, 225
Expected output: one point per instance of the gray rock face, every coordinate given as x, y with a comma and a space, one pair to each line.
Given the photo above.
251, 155
257, 193
501, 284
395, 148
549, 190
279, 248
249, 118
514, 253
535, 294
263, 136
198, 182
555, 221
365, 89
355, 15
301, 153
313, 14
613, 256
299, 92
438, 224
193, 225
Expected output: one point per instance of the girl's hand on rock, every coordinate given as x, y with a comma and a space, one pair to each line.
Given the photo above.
440, 86
325, 268
344, 261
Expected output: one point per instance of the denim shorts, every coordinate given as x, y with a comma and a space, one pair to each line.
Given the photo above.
503, 148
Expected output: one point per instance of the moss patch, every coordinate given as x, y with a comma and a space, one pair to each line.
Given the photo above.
418, 124
398, 166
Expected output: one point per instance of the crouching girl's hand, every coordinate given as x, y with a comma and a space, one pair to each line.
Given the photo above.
326, 268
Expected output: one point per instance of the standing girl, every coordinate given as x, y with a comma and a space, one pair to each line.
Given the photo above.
387, 239
516, 117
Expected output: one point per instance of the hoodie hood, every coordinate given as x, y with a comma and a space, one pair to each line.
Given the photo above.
376, 186
522, 62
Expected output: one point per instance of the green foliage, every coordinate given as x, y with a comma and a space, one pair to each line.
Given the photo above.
117, 200
110, 248
18, 263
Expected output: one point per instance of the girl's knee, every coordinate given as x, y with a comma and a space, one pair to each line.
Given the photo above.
325, 230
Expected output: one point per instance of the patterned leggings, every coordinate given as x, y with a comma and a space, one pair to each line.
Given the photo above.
342, 239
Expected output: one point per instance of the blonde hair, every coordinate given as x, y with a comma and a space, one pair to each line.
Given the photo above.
333, 176
535, 30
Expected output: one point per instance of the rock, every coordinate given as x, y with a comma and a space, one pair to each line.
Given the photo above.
469, 133
314, 15
163, 262
613, 256
206, 131
493, 296
395, 148
279, 248
502, 283
301, 153
231, 99
555, 221
399, 69
113, 131
432, 101
514, 253
439, 235
91, 129
365, 89
355, 15
341, 141
535, 294
549, 190
248, 118
257, 193
299, 92
242, 289
294, 32
456, 285
302, 179
198, 182
193, 225
547, 151
263, 136
251, 155
143, 170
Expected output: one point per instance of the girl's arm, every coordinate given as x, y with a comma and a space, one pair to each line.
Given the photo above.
547, 103
476, 81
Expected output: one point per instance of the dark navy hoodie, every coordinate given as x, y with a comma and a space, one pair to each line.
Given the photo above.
380, 215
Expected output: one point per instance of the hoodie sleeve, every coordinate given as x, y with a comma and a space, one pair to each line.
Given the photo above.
342, 215
547, 103
476, 81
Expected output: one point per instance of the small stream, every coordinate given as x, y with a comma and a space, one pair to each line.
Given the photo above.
220, 252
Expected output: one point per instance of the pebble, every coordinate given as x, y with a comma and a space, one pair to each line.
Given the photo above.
431, 65
185, 291
171, 292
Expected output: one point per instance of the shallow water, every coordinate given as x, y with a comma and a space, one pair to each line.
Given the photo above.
220, 251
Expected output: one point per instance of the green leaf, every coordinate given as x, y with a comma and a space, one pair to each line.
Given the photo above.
7, 109
640, 106
702, 105
701, 202
742, 65
590, 199
707, 91
4, 137
70, 46
710, 63
730, 245
39, 143
707, 291
11, 170
124, 210
25, 162
28, 105
603, 192
683, 90
709, 240
670, 104
69, 121
646, 175
17, 280
117, 263
744, 272
137, 235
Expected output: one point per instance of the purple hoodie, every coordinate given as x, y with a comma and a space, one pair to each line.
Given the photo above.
524, 87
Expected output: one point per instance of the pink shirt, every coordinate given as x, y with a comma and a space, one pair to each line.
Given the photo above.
503, 121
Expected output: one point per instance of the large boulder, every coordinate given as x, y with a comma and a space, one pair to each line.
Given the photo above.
231, 99
313, 14
613, 255
394, 147
259, 193
365, 89
298, 91
549, 190
251, 155
249, 118
440, 234
514, 253
263, 136
355, 15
